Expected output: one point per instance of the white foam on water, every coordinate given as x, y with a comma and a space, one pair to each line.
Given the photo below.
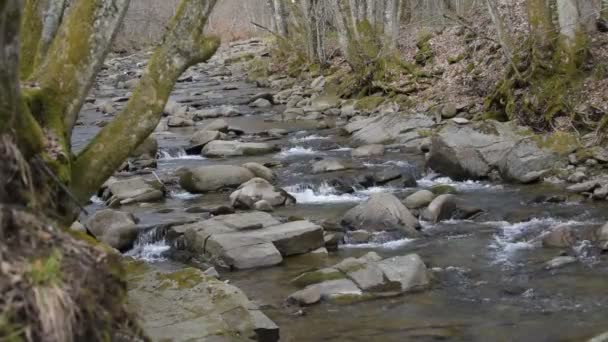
380, 245
177, 155
306, 194
297, 151
97, 200
377, 189
516, 237
432, 179
341, 149
183, 195
308, 138
149, 252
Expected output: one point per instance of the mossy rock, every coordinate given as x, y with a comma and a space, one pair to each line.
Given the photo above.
369, 103
239, 59
186, 278
443, 189
319, 276
563, 143
455, 59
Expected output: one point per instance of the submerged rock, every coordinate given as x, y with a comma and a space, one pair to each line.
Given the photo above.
117, 229
213, 178
382, 212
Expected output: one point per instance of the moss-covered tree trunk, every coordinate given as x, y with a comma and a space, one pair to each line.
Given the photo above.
604, 10
183, 46
573, 39
542, 30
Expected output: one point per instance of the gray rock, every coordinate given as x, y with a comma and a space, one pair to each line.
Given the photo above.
442, 208
78, 227
175, 109
577, 177
217, 125
261, 103
179, 121
330, 165
449, 110
559, 237
291, 114
212, 272
408, 273
526, 162
261, 171
133, 190
241, 251
588, 186
220, 148
258, 189
308, 296
202, 138
115, 228
187, 305
419, 199
263, 205
211, 113
358, 236
390, 128
560, 262
382, 212
368, 151
601, 193
146, 150
213, 178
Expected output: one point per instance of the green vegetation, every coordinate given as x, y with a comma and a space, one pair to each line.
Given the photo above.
47, 271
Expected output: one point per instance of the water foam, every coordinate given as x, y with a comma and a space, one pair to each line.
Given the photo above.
297, 151
177, 155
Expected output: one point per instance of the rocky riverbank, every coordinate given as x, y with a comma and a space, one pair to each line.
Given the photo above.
402, 226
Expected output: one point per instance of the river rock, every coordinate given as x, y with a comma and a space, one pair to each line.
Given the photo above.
527, 163
146, 150
173, 108
213, 178
449, 110
330, 165
382, 212
419, 199
441, 208
179, 121
560, 262
261, 171
588, 186
559, 237
216, 112
200, 139
366, 277
261, 103
238, 251
219, 148
133, 190
368, 151
217, 125
115, 228
188, 305
390, 128
263, 205
258, 189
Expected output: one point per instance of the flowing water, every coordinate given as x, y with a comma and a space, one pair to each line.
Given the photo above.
490, 283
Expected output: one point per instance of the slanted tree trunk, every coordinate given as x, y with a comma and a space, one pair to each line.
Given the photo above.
542, 30
573, 41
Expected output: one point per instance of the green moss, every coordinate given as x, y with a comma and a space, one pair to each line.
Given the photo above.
9, 331
443, 189
561, 142
425, 51
425, 133
456, 59
31, 32
369, 103
46, 271
182, 279
487, 127
316, 277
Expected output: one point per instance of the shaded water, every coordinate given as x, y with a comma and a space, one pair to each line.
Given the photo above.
490, 284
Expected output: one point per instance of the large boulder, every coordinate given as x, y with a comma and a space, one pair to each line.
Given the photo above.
258, 189
219, 148
117, 229
366, 277
219, 125
146, 150
132, 190
241, 251
382, 212
419, 199
188, 305
261, 171
213, 178
391, 128
473, 151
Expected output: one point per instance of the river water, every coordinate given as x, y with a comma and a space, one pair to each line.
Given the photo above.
490, 283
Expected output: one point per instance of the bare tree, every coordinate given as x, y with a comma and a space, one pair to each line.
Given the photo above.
542, 30
573, 36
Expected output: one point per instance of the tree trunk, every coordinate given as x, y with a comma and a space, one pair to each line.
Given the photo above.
280, 14
342, 24
183, 46
9, 64
573, 42
392, 13
273, 15
604, 10
354, 16
504, 36
52, 19
542, 30
588, 15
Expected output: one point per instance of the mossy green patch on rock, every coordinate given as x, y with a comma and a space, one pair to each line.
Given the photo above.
562, 143
239, 59
425, 51
443, 189
319, 276
47, 271
369, 103
186, 278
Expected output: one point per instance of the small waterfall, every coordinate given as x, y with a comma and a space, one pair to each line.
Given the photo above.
176, 154
150, 245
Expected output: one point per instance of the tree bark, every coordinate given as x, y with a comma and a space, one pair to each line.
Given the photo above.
280, 14
588, 15
542, 30
341, 22
52, 20
392, 13
503, 35
31, 32
604, 10
183, 46
573, 42
273, 10
10, 11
